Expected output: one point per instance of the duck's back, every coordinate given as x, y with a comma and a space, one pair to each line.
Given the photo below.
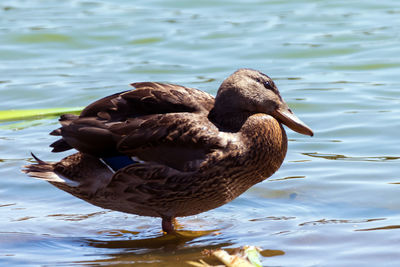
150, 98
100, 125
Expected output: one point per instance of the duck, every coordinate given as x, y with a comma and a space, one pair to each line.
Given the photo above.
165, 150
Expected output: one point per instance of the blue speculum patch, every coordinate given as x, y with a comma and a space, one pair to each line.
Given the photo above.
118, 162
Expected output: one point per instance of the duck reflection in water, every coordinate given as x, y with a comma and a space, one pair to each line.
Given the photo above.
168, 151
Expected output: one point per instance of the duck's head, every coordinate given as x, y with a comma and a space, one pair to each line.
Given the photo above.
250, 91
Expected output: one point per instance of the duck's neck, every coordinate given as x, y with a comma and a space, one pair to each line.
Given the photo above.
228, 120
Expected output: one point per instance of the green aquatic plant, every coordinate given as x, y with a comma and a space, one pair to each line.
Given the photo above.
27, 114
18, 119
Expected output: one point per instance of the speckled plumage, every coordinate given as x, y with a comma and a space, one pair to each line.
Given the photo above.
194, 153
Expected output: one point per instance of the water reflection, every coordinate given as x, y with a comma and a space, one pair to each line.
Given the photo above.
23, 219
304, 140
76, 217
204, 79
340, 221
170, 241
271, 252
290, 177
389, 227
8, 204
166, 250
160, 250
343, 157
273, 218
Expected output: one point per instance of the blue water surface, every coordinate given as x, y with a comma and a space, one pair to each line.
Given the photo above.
334, 202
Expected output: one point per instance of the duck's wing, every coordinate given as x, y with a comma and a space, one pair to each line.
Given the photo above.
150, 98
160, 123
178, 140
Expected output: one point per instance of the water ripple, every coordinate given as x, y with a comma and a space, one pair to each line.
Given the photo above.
348, 158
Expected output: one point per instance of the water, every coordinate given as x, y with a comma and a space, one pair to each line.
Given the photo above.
334, 202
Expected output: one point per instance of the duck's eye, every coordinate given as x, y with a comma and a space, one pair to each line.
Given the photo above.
267, 85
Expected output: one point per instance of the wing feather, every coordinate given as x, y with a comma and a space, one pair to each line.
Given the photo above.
162, 123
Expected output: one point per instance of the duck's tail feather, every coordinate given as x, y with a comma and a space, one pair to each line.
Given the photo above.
45, 171
40, 162
61, 145
39, 170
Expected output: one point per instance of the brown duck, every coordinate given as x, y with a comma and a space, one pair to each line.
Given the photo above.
165, 150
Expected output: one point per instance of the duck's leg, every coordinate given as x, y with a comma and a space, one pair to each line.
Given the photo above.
168, 225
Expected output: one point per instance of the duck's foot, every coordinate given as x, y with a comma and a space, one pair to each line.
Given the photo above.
168, 225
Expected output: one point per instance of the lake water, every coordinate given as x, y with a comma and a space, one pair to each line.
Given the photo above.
334, 202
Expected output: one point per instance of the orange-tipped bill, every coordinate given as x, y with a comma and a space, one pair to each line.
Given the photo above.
286, 116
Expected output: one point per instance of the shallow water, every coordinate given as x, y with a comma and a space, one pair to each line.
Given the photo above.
334, 202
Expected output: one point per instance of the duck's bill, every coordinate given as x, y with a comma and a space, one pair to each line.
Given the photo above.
287, 117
